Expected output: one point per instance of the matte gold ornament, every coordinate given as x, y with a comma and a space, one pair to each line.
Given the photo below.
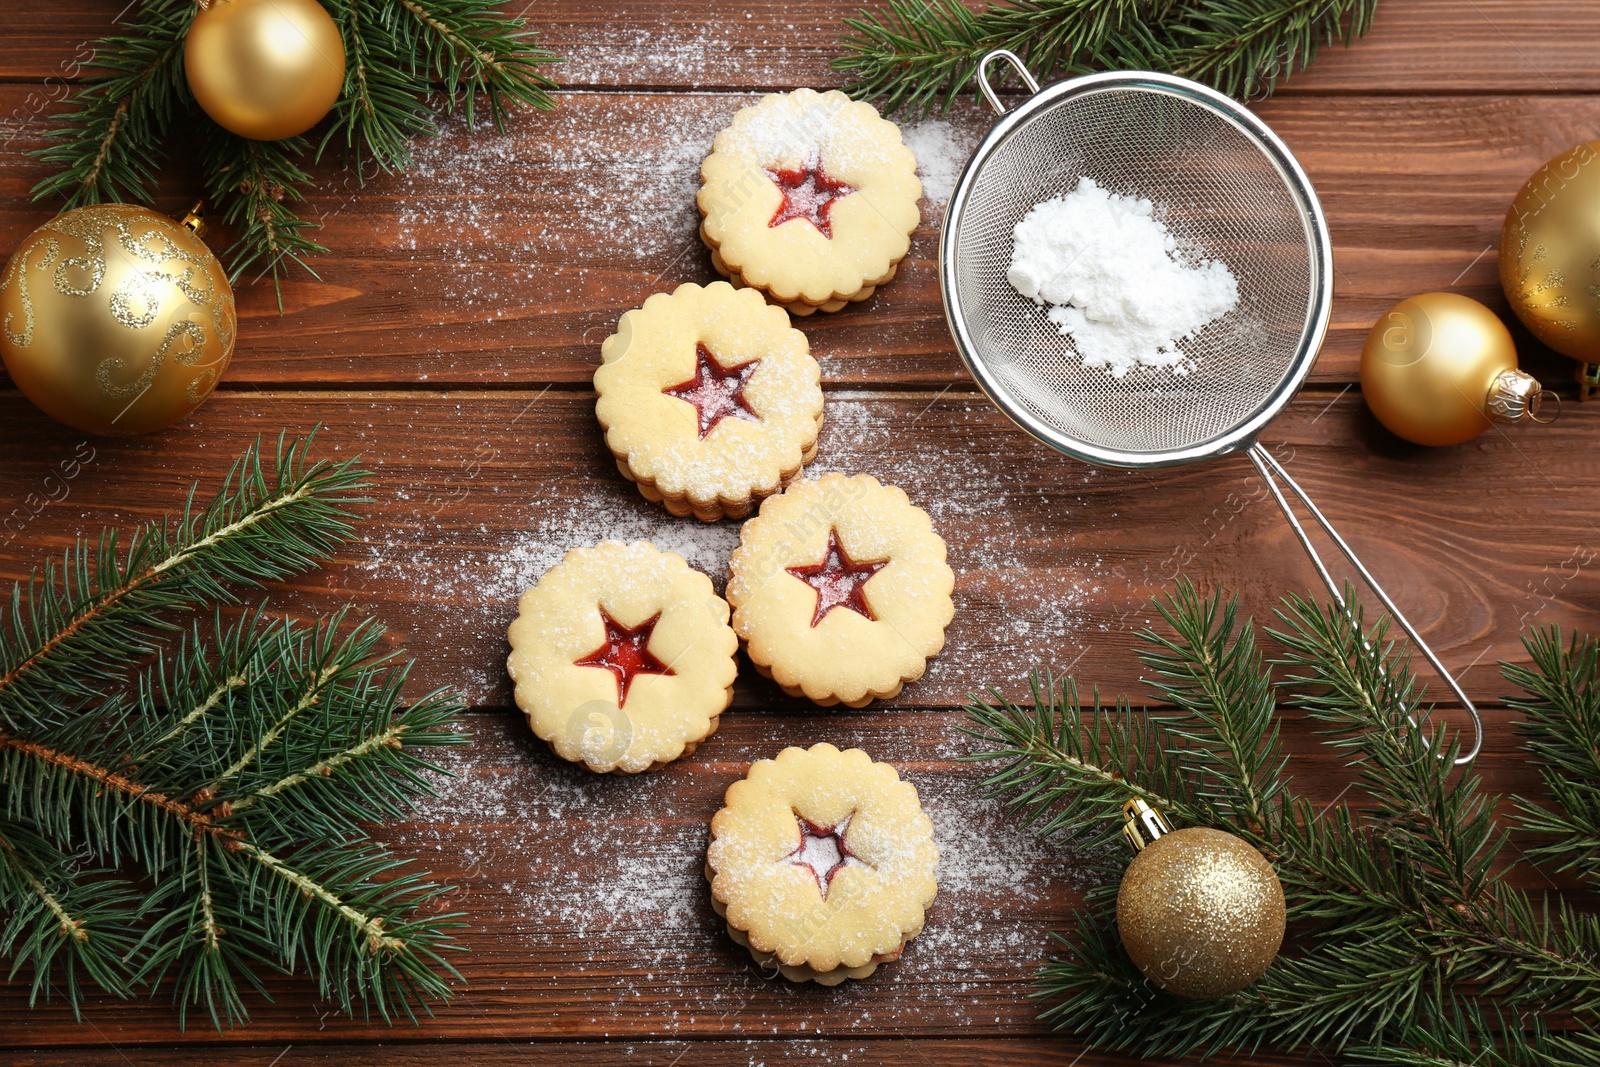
1440, 368
116, 320
265, 69
1550, 254
1200, 911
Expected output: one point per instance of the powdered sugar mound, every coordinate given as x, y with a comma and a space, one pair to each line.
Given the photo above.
1108, 267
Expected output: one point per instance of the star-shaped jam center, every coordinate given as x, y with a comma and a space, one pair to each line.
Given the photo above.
840, 581
808, 193
717, 392
822, 851
625, 653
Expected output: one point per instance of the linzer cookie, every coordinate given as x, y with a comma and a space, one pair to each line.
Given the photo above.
840, 590
810, 197
822, 863
622, 657
709, 400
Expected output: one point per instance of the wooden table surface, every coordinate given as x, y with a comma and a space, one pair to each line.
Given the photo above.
450, 342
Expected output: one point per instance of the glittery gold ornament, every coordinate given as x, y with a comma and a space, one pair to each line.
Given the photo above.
1200, 911
116, 320
1440, 368
1550, 253
264, 69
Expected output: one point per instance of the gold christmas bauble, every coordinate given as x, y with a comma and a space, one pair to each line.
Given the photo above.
1200, 912
265, 69
116, 320
1550, 253
1440, 368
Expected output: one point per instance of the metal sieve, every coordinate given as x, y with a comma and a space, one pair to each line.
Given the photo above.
1227, 188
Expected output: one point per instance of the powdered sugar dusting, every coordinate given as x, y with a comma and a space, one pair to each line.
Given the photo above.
1025, 593
987, 515
482, 587
942, 149
671, 53
606, 872
468, 201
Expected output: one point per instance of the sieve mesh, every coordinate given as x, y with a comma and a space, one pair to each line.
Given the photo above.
1219, 192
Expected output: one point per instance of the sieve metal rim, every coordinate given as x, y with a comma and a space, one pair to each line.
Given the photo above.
1319, 245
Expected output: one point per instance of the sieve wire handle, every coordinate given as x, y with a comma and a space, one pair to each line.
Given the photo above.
1271, 472
1016, 64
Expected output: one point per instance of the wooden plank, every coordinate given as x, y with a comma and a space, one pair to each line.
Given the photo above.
508, 261
477, 494
883, 1052
589, 916
1507, 46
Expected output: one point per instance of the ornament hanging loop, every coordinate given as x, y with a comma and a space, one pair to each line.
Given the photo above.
1272, 472
1536, 408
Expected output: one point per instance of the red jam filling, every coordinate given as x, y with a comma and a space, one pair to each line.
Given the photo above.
840, 581
717, 392
822, 851
808, 193
625, 653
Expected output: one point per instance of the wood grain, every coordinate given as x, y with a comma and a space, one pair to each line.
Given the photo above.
477, 493
947, 1051
1504, 46
507, 261
450, 341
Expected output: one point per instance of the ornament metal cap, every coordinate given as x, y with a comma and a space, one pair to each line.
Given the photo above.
1516, 396
1143, 824
194, 220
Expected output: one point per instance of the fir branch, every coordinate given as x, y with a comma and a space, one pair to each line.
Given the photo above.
1365, 688
237, 772
921, 54
1212, 672
475, 51
110, 147
1460, 1033
1398, 907
75, 627
382, 108
400, 56
1562, 728
259, 183
918, 54
62, 916
1245, 47
1069, 769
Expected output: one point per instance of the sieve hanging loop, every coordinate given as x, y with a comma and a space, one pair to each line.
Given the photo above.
1228, 188
1016, 64
1271, 472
